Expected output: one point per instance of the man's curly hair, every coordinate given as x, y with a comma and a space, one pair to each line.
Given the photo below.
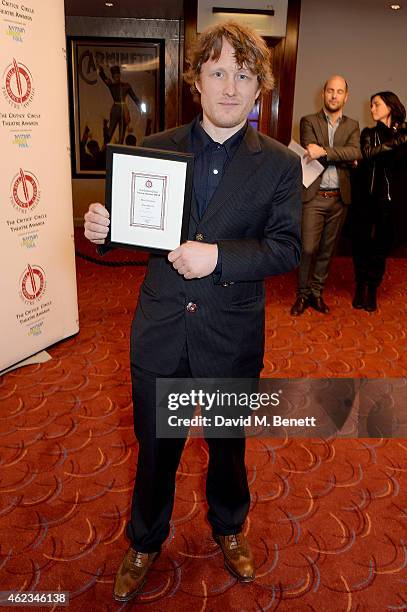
250, 49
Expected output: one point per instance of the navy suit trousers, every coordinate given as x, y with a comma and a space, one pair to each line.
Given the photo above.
227, 490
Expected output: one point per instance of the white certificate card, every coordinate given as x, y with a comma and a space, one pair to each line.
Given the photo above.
310, 170
148, 195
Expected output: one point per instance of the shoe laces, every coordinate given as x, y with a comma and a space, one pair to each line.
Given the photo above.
137, 558
233, 541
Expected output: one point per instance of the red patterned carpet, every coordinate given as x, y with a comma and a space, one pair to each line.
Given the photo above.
328, 523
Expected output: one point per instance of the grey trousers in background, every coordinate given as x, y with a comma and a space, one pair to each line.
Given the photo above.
322, 220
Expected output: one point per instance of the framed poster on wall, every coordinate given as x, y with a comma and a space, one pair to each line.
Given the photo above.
116, 96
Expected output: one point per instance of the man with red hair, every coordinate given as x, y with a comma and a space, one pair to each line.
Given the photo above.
201, 308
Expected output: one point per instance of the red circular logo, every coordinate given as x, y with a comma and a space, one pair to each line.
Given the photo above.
25, 191
18, 83
149, 183
32, 283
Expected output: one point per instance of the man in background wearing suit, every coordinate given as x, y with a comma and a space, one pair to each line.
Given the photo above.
334, 140
201, 309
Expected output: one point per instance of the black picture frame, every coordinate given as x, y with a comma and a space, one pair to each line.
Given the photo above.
116, 92
123, 163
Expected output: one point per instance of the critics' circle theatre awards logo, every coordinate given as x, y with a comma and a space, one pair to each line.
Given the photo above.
149, 183
32, 283
18, 84
25, 191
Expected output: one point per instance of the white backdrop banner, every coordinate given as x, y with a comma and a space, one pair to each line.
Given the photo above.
38, 304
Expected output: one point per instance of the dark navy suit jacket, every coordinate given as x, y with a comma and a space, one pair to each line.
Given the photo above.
254, 217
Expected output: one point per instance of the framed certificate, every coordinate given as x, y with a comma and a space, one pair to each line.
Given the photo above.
148, 196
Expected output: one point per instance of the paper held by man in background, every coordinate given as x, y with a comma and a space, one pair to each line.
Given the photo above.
310, 170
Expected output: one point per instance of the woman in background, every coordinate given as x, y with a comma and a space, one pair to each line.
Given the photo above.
380, 219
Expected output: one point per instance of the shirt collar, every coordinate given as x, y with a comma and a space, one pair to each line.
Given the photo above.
201, 139
327, 117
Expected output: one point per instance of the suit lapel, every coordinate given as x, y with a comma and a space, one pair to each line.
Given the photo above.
182, 141
238, 172
322, 127
340, 132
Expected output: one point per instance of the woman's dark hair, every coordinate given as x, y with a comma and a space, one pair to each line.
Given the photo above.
398, 112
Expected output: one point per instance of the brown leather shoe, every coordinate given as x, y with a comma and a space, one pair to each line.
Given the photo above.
300, 304
317, 303
131, 575
238, 556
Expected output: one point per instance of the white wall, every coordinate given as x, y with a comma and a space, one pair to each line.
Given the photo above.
363, 40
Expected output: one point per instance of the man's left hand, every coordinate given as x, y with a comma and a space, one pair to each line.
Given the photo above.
194, 259
314, 151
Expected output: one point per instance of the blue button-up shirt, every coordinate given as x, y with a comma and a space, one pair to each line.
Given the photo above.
211, 161
330, 178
